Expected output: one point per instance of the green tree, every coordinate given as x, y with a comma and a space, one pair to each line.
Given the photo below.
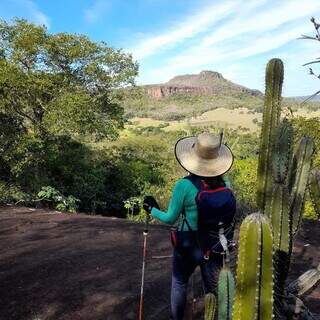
62, 83
56, 89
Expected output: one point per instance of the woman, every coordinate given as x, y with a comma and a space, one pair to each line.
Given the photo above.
206, 159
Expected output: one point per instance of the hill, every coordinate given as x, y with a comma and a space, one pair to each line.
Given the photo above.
187, 96
206, 98
204, 83
303, 98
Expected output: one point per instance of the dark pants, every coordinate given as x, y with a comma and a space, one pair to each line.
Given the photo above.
186, 257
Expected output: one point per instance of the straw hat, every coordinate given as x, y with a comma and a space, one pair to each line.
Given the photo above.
204, 156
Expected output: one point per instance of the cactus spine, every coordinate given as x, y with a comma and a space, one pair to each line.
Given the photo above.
254, 291
225, 294
209, 306
271, 115
298, 179
314, 187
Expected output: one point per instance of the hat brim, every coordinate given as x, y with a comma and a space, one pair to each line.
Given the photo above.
190, 161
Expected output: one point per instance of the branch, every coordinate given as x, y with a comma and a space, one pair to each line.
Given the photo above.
311, 97
312, 62
304, 37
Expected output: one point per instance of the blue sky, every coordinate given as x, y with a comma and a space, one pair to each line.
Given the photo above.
171, 37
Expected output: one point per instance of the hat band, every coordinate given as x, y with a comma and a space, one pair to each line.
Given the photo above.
206, 152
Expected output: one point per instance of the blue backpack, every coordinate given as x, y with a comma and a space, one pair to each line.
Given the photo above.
216, 210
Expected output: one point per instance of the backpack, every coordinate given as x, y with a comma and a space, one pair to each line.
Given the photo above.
216, 210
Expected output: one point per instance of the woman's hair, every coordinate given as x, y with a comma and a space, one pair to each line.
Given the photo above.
214, 182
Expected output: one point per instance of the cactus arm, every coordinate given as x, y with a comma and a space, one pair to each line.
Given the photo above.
314, 188
282, 151
253, 299
225, 294
209, 306
278, 212
299, 175
271, 115
266, 287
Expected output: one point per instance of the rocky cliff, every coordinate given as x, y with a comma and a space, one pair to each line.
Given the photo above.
204, 83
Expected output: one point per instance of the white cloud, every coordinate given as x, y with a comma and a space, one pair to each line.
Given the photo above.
199, 58
190, 27
266, 19
96, 11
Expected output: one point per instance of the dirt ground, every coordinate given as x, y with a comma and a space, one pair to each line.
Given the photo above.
60, 266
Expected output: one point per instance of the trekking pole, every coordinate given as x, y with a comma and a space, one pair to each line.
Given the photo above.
145, 234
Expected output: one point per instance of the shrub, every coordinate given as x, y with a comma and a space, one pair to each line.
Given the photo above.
11, 194
55, 199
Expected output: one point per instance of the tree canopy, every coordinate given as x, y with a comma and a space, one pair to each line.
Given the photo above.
61, 83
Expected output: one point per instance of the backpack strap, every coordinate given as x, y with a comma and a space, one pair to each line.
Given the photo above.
195, 181
185, 221
213, 191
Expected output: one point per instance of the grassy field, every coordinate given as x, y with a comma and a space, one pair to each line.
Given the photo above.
240, 118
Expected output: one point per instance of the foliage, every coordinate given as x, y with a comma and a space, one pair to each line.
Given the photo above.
182, 106
244, 176
61, 83
57, 90
308, 127
55, 199
10, 193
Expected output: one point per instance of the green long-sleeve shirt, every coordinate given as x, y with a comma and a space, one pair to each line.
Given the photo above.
183, 196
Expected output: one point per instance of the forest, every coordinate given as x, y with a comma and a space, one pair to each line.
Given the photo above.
64, 140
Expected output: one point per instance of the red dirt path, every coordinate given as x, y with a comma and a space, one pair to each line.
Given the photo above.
72, 267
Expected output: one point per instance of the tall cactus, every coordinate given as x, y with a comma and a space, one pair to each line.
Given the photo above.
226, 289
254, 291
271, 116
298, 179
209, 306
314, 188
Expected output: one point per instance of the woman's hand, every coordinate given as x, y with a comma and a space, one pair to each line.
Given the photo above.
150, 202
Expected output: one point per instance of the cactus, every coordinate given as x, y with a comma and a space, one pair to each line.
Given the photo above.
298, 179
282, 152
314, 188
225, 294
271, 115
254, 291
209, 306
278, 213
